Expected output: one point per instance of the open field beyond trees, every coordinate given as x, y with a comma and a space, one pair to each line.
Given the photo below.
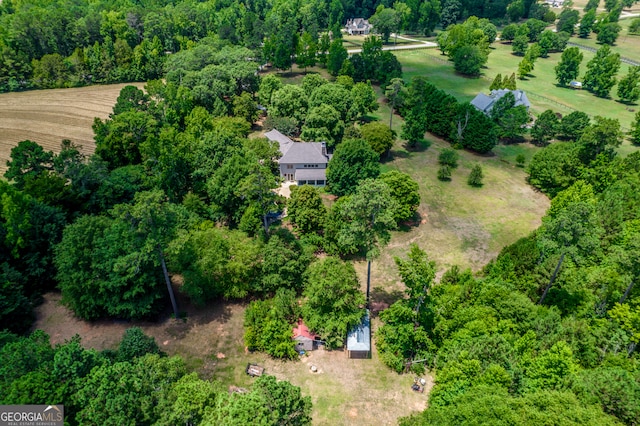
49, 116
540, 86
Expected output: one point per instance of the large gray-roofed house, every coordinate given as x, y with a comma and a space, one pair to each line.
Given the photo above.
301, 162
485, 103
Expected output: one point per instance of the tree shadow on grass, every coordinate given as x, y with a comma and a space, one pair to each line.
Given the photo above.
408, 225
381, 299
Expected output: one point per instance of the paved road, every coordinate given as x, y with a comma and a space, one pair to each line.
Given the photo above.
419, 45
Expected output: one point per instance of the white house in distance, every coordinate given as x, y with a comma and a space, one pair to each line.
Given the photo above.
358, 26
302, 162
485, 103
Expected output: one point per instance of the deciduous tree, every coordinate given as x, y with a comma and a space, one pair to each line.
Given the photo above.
629, 86
379, 136
405, 191
353, 161
569, 66
601, 72
333, 300
546, 127
305, 209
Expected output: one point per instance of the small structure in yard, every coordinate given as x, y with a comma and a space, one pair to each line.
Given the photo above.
575, 84
358, 26
359, 339
254, 370
305, 339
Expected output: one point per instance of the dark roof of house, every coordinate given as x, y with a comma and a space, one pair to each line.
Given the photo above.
297, 152
359, 338
484, 103
304, 152
283, 141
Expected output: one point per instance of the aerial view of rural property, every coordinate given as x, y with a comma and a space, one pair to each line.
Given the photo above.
319, 212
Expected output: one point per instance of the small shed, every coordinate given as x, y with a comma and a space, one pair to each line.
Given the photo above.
359, 339
305, 339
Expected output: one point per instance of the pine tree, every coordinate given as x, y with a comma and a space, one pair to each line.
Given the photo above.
497, 83
444, 173
505, 82
511, 84
635, 130
475, 177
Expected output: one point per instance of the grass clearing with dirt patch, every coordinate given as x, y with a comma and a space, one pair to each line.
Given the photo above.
210, 340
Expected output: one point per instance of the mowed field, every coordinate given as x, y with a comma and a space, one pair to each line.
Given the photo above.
540, 85
49, 116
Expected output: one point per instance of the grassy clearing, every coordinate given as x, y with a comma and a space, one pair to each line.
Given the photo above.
344, 392
48, 116
540, 86
458, 224
627, 45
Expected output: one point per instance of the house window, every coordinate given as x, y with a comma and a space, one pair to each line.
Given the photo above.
289, 166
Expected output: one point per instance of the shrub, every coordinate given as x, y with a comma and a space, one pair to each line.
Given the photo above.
444, 173
135, 344
448, 157
475, 177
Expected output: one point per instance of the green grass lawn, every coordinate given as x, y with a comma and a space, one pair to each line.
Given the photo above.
540, 86
627, 45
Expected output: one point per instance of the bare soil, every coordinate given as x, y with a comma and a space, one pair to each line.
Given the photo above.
49, 116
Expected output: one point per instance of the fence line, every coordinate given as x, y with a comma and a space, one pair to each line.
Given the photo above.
591, 49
